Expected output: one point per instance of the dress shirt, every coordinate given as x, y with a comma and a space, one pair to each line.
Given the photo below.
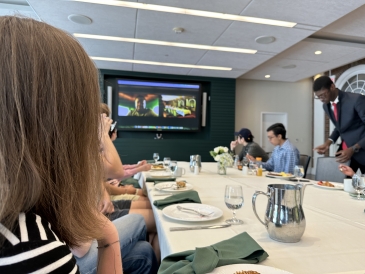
283, 158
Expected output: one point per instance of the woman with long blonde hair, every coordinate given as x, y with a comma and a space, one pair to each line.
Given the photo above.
49, 148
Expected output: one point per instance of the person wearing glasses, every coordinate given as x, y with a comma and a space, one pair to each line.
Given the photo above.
285, 155
245, 138
346, 110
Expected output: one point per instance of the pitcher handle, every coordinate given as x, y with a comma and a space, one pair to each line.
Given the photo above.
254, 204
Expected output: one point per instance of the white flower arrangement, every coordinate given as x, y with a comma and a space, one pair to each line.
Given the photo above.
221, 155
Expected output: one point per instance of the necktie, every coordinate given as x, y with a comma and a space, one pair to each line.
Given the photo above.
344, 146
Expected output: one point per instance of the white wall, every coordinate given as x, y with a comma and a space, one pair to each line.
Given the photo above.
254, 97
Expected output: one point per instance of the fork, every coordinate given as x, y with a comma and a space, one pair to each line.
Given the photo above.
193, 210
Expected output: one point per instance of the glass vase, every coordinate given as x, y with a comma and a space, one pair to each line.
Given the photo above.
221, 169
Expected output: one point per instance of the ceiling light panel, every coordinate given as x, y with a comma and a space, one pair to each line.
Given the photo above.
163, 43
157, 63
192, 12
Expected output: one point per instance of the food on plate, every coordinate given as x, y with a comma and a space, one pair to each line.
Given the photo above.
158, 166
282, 174
247, 272
326, 183
181, 184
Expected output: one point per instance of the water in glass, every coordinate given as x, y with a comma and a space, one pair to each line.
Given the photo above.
234, 200
156, 157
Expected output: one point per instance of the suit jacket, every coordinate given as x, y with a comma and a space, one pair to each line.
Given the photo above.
351, 122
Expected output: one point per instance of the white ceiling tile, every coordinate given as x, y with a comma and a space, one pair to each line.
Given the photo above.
214, 73
231, 6
158, 26
160, 69
233, 60
167, 54
110, 49
113, 65
310, 12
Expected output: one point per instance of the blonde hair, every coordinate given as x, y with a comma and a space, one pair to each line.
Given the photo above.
49, 143
104, 109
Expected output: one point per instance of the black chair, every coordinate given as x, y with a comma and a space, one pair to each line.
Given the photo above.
327, 170
304, 161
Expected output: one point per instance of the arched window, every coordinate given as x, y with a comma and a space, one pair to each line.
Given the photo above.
352, 80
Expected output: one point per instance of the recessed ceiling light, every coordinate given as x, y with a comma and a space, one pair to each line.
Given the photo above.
265, 39
267, 76
318, 52
289, 66
163, 43
80, 19
157, 63
201, 13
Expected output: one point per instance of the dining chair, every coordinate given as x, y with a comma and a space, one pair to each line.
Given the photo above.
304, 161
327, 170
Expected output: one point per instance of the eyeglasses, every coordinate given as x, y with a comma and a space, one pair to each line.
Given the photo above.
270, 137
240, 137
322, 95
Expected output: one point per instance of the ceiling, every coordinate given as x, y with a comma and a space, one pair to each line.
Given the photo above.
335, 27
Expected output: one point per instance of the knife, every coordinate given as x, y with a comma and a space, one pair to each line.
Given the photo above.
181, 228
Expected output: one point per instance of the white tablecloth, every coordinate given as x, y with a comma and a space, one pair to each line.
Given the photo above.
333, 242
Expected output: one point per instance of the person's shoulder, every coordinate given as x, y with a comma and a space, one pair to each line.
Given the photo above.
289, 145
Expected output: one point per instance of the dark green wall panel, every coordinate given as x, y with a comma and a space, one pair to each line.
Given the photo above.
134, 146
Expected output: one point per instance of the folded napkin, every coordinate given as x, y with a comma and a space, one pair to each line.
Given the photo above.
130, 181
240, 249
184, 197
150, 161
154, 179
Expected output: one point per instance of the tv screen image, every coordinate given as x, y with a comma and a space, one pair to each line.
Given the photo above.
157, 106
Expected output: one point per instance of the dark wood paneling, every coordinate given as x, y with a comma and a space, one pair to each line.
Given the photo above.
135, 146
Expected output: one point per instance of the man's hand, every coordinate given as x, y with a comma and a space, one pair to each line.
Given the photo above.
323, 148
250, 158
344, 155
106, 205
146, 167
141, 163
346, 170
233, 144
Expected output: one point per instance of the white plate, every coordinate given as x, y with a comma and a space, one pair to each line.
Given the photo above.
338, 186
175, 214
153, 168
262, 269
280, 177
160, 174
170, 187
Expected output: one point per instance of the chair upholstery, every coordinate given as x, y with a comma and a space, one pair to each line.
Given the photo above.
327, 170
304, 161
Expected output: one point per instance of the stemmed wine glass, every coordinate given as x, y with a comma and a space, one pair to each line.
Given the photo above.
173, 166
156, 157
358, 182
234, 200
166, 161
298, 172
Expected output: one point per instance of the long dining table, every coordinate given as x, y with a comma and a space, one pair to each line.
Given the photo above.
333, 241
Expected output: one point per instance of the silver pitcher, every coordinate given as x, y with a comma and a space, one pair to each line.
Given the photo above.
284, 218
195, 160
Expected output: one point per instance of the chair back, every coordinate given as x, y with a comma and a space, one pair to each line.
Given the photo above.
327, 170
304, 161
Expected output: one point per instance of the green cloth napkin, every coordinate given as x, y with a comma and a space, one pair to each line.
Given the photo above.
150, 161
184, 197
130, 181
240, 249
153, 179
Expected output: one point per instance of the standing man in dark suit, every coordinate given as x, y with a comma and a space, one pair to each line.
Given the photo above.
347, 112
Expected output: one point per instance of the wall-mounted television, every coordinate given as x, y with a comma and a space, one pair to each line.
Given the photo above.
145, 105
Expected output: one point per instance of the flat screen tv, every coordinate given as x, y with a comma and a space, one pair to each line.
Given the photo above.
144, 105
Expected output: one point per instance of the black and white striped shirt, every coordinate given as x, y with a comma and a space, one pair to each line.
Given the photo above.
32, 247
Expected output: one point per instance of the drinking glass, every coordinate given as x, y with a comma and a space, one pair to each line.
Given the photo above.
358, 182
298, 172
173, 166
156, 157
234, 200
252, 167
166, 161
245, 161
